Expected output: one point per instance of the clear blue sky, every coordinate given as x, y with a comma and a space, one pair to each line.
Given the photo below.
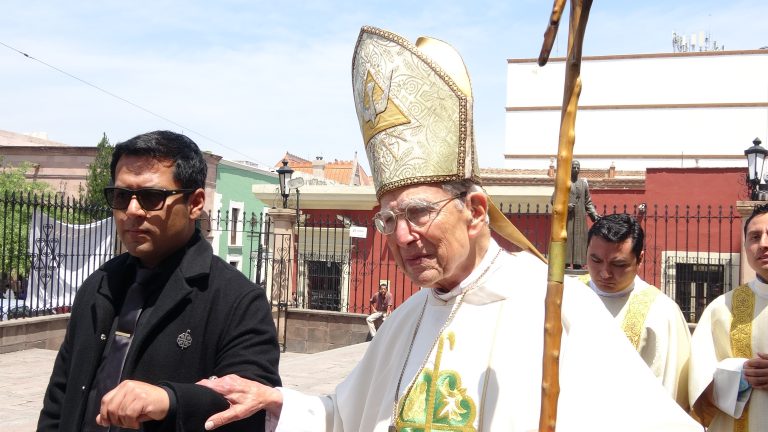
253, 79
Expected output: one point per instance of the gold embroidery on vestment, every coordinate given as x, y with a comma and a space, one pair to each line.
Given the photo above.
743, 306
637, 312
437, 401
415, 407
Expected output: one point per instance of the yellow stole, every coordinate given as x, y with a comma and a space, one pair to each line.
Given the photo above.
637, 312
743, 309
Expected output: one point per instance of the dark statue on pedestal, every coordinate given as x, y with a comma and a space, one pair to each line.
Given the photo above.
579, 206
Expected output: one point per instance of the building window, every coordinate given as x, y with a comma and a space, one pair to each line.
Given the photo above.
695, 279
697, 285
235, 261
323, 257
235, 224
324, 285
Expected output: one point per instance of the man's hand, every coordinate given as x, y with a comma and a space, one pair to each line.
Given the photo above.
131, 403
756, 371
246, 397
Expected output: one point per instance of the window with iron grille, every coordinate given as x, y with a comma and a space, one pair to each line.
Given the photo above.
324, 285
694, 279
697, 285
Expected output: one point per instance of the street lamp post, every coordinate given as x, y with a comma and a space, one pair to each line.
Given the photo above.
283, 285
284, 173
756, 157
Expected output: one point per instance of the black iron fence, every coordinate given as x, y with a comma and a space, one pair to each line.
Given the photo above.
341, 261
332, 261
48, 246
692, 253
325, 262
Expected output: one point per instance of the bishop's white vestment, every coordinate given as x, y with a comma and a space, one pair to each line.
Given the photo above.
655, 326
483, 372
732, 329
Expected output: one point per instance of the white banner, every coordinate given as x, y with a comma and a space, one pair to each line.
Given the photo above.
358, 231
62, 257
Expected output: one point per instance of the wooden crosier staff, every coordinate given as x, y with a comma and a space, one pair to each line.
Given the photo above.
553, 328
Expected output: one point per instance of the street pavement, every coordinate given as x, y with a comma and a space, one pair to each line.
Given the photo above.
24, 376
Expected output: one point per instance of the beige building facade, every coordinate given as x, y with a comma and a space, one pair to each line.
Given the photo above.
677, 110
65, 167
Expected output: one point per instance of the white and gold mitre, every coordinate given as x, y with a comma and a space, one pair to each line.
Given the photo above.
414, 105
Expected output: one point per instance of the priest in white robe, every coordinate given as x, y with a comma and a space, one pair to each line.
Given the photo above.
465, 352
729, 348
652, 322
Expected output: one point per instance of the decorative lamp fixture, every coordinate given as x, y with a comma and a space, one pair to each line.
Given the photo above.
284, 173
756, 156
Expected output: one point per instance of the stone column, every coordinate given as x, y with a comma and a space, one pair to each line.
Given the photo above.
746, 273
281, 278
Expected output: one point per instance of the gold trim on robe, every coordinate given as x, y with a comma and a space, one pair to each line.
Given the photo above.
741, 338
437, 400
637, 312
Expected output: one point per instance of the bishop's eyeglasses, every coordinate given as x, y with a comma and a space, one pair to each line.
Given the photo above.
150, 199
418, 214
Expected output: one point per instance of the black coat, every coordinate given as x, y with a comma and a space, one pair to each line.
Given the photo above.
227, 317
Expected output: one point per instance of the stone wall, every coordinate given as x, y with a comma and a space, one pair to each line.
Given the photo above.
311, 331
45, 332
307, 331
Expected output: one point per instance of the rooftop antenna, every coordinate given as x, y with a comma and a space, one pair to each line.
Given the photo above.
697, 42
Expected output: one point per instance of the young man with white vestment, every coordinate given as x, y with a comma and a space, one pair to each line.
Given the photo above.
652, 322
465, 352
729, 349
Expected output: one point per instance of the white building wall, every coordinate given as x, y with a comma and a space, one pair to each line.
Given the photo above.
666, 105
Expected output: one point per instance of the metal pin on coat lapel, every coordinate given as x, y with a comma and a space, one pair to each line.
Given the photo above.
184, 340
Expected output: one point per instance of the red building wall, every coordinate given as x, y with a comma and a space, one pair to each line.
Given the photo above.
370, 260
680, 186
687, 209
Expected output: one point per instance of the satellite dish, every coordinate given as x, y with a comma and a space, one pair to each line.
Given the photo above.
296, 183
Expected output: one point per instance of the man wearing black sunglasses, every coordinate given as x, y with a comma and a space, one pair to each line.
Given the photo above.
150, 323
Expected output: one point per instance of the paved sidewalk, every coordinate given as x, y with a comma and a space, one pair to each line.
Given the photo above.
24, 376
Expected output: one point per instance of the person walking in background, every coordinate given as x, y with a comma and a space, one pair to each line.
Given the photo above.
381, 307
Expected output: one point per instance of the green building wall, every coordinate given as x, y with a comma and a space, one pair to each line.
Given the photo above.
233, 192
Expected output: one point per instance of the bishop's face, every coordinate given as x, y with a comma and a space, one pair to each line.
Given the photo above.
438, 254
